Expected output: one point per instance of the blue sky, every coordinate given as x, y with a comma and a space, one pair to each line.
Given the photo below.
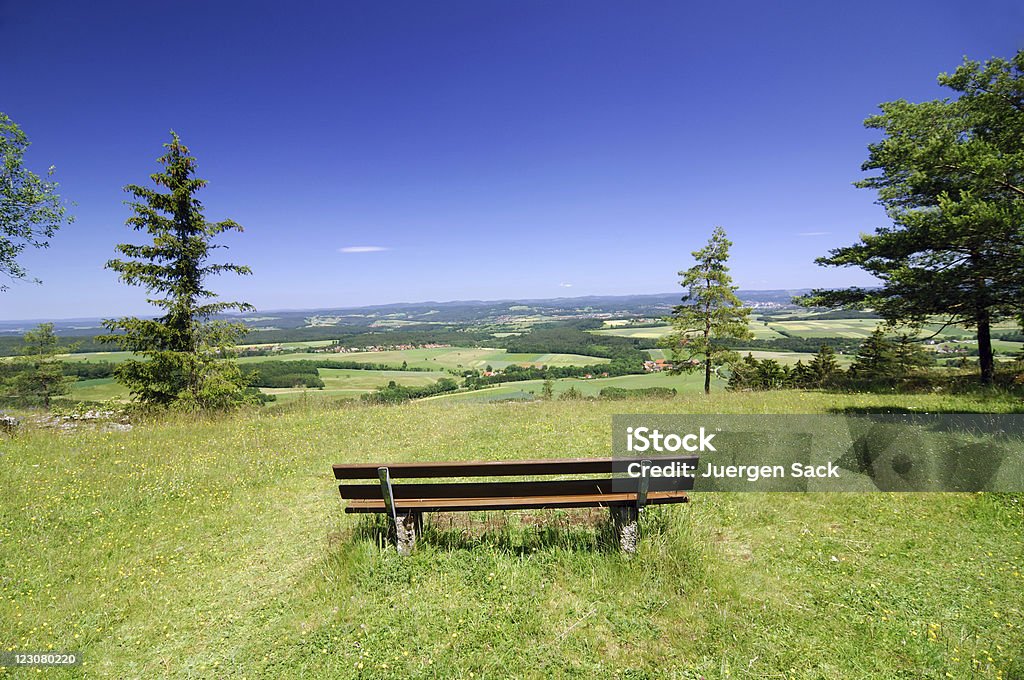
473, 149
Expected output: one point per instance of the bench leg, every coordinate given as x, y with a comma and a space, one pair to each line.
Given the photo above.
407, 529
626, 526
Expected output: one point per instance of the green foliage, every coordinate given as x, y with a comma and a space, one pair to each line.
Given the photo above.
571, 394
754, 374
31, 211
184, 346
908, 356
42, 377
767, 374
950, 174
89, 370
875, 361
547, 389
822, 371
882, 362
283, 374
710, 311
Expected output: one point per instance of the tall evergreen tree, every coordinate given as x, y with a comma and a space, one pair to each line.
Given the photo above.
743, 373
950, 175
184, 347
824, 367
908, 356
710, 312
875, 361
801, 376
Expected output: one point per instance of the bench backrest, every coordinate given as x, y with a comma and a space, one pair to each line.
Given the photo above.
588, 476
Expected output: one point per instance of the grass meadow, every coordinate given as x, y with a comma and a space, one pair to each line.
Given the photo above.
219, 548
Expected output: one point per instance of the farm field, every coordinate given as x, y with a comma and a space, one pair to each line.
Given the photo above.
219, 548
840, 328
649, 332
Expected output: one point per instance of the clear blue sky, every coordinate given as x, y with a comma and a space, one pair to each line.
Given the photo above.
490, 149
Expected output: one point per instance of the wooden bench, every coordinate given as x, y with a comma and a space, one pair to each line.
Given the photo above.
581, 483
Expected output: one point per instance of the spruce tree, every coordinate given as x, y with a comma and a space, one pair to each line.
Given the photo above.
710, 312
824, 368
801, 376
908, 356
185, 347
875, 359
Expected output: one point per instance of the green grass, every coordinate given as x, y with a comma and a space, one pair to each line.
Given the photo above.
198, 548
98, 389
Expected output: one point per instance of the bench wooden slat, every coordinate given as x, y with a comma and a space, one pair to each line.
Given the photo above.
547, 488
515, 503
502, 468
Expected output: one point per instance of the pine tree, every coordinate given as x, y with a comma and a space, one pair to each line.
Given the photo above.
908, 356
743, 374
950, 175
771, 375
874, 361
43, 377
548, 389
824, 368
185, 347
710, 311
802, 376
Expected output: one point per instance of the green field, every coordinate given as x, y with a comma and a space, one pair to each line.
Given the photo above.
98, 389
219, 548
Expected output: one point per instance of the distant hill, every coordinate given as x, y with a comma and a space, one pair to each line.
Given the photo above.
454, 311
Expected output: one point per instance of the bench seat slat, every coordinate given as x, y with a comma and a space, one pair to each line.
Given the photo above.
502, 468
547, 488
513, 503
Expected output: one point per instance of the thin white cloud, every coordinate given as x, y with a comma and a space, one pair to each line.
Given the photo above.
565, 285
814, 233
362, 249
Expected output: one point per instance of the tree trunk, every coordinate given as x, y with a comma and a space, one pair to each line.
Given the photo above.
707, 350
985, 359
